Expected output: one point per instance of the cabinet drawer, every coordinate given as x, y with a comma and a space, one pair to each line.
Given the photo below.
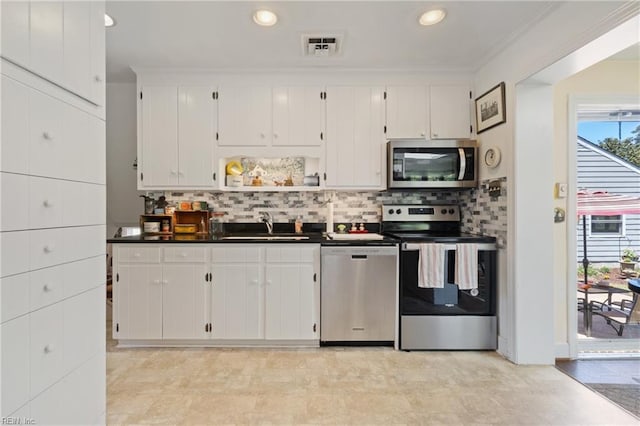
46, 141
236, 254
46, 347
292, 253
184, 254
45, 203
83, 242
138, 254
47, 287
46, 248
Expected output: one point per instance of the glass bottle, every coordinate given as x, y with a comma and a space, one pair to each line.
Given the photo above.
216, 225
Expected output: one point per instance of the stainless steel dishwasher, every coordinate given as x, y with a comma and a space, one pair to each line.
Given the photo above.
358, 294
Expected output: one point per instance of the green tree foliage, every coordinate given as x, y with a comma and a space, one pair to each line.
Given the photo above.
628, 149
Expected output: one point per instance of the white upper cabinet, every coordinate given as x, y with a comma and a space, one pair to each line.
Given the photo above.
197, 112
177, 131
407, 112
244, 116
434, 112
47, 39
158, 165
15, 32
355, 137
298, 116
450, 110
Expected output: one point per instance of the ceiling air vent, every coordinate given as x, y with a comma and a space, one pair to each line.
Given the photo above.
321, 45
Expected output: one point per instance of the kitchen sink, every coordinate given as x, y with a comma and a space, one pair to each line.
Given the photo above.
267, 237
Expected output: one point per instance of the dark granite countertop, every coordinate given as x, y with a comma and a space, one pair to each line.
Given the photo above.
314, 232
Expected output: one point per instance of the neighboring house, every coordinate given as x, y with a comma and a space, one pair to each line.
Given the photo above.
607, 236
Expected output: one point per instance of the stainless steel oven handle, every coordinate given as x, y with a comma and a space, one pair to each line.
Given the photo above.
463, 164
481, 247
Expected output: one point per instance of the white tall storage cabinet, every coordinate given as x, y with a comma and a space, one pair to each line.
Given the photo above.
52, 213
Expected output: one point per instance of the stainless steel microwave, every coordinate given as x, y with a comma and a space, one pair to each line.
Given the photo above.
425, 164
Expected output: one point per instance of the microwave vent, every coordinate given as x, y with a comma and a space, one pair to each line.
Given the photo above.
319, 45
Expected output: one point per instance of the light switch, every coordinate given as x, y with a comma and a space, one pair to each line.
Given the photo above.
561, 190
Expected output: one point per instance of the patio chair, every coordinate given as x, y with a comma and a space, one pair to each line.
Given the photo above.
626, 312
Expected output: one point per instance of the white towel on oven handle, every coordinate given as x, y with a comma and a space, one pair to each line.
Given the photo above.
431, 265
466, 266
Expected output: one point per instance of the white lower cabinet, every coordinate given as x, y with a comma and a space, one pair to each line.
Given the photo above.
218, 292
156, 299
236, 301
292, 302
137, 295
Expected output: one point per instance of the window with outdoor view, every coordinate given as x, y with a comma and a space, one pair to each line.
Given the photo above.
606, 225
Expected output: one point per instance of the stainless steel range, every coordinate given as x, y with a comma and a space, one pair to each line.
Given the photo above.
445, 312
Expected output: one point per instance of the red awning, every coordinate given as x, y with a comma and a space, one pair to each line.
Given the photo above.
602, 203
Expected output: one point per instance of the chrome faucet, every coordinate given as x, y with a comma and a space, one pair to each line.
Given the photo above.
268, 220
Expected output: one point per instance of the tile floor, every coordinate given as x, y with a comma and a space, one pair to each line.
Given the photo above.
343, 386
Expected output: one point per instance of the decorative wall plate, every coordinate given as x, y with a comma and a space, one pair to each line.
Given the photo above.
492, 157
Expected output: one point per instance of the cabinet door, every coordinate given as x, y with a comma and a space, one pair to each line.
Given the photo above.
237, 309
407, 115
184, 292
137, 297
450, 108
355, 137
15, 32
298, 116
197, 118
244, 116
47, 45
290, 302
159, 162
77, 47
97, 52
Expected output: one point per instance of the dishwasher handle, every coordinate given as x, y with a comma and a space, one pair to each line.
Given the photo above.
358, 256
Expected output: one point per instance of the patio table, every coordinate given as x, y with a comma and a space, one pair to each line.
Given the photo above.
595, 289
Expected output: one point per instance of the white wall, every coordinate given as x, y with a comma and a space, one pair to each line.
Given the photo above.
529, 277
610, 81
123, 204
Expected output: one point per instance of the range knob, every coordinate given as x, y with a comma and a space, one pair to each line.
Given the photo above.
443, 211
390, 211
398, 211
451, 211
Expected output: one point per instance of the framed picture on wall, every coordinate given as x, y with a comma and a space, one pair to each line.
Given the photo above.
490, 108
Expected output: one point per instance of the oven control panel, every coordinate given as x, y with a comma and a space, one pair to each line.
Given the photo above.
420, 213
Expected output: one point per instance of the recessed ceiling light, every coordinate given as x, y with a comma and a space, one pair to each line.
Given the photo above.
432, 17
108, 21
265, 18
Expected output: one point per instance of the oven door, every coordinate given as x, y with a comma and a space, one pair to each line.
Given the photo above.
449, 300
445, 164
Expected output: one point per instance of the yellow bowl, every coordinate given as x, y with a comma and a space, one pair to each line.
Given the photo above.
234, 168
